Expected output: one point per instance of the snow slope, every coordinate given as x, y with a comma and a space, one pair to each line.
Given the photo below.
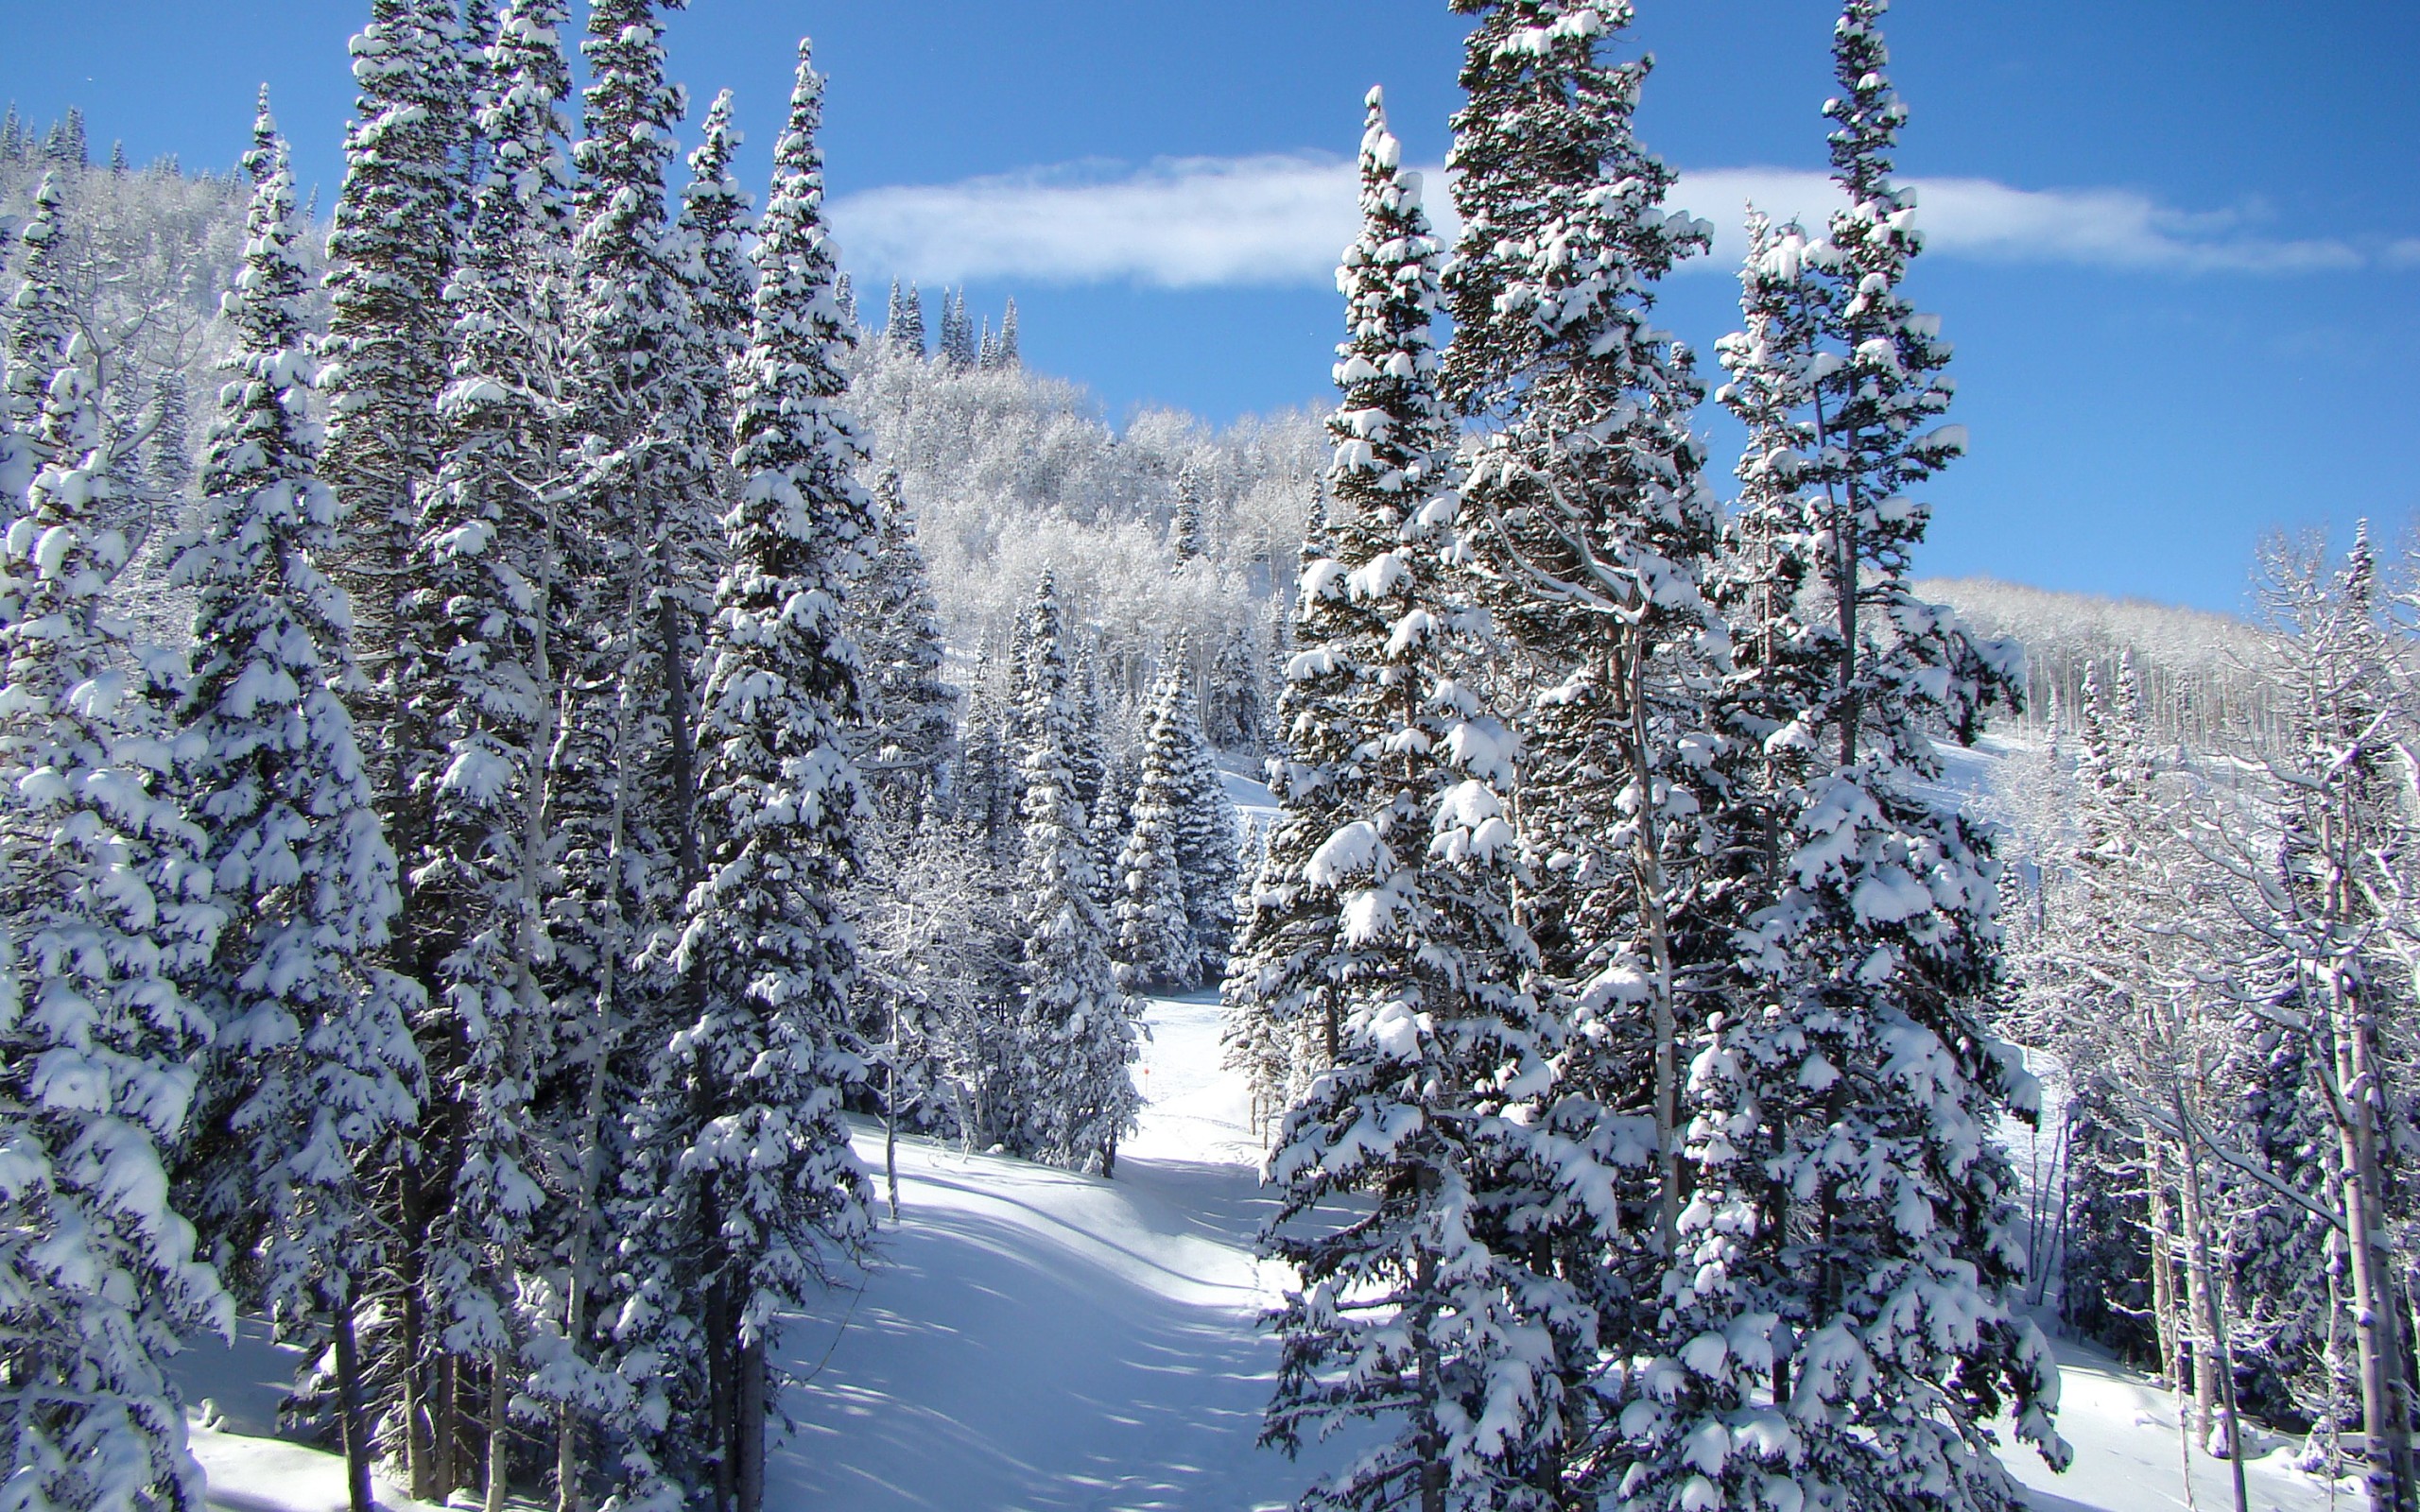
1043, 1342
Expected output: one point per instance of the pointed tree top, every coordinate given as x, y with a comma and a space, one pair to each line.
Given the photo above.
269, 150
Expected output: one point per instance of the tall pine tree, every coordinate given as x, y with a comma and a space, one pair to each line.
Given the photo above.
1406, 1170
766, 1179
1841, 1321
105, 906
312, 1041
1075, 1032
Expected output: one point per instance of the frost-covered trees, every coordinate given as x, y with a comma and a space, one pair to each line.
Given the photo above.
106, 907
1411, 1172
1842, 1316
1075, 1028
763, 1184
321, 1075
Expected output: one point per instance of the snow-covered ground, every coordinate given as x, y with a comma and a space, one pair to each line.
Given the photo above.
1038, 1341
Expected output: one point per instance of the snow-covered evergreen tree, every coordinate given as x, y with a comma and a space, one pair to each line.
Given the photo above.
1231, 708
390, 251
765, 1180
1411, 1178
1185, 530
1075, 1027
488, 556
1155, 945
1004, 346
911, 725
1206, 839
40, 321
1589, 507
167, 459
715, 219
904, 323
322, 1075
105, 906
1842, 1319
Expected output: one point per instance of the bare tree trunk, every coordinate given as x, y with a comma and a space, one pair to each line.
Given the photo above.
751, 1436
2213, 1315
2199, 1308
2172, 1353
1628, 680
352, 1430
419, 1466
499, 1448
445, 1437
721, 1395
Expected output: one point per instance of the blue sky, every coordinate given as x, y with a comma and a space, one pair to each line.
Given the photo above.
2178, 245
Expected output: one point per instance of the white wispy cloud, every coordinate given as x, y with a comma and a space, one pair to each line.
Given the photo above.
1281, 219
1179, 223
1988, 221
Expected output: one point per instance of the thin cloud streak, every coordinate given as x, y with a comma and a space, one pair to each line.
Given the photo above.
1280, 220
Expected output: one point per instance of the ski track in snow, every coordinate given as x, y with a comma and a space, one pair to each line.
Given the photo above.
1041, 1342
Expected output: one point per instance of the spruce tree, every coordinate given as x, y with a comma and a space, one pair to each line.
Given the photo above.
904, 325
488, 556
312, 1039
911, 725
1597, 529
105, 906
1155, 945
40, 322
390, 252
766, 1179
1185, 530
1840, 1320
167, 466
623, 779
1205, 840
1075, 1028
1004, 348
1409, 1169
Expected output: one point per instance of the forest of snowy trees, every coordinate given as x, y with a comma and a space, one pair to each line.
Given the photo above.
522, 720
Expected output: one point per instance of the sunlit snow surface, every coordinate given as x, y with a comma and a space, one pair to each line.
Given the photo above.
1033, 1341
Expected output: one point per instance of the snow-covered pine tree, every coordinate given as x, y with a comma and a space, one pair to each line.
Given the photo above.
1185, 530
1154, 945
1595, 524
1411, 1177
903, 326
911, 714
958, 332
167, 458
1205, 840
844, 295
105, 905
987, 781
1004, 347
321, 1077
1231, 712
765, 1180
1841, 1318
390, 251
634, 455
488, 555
1075, 1028
715, 219
40, 321
1091, 765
